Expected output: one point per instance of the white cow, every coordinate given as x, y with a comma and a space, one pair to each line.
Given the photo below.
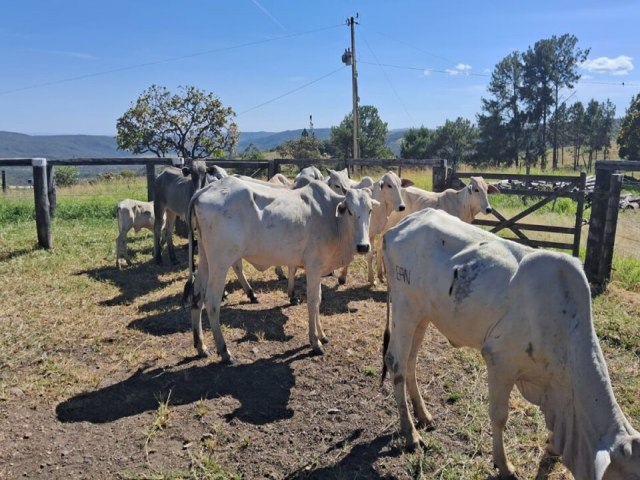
339, 181
387, 191
307, 175
465, 204
311, 227
529, 313
132, 214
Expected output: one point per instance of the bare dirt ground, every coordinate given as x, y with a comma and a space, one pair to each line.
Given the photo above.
124, 396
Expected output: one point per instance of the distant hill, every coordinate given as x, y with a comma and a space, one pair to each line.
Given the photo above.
19, 145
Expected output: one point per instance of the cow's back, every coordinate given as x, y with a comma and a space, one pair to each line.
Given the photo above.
455, 272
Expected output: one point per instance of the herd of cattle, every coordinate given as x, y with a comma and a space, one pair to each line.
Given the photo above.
527, 311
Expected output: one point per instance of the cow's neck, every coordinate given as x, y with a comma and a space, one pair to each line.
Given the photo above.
463, 200
343, 244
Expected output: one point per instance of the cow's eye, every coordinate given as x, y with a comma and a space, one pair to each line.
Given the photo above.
349, 212
389, 186
476, 190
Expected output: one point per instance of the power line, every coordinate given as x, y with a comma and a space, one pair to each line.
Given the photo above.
291, 91
413, 122
167, 60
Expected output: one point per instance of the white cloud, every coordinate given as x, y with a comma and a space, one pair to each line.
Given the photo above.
621, 65
459, 69
427, 73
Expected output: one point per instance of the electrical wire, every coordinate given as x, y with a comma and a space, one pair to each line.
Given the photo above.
404, 107
167, 60
291, 91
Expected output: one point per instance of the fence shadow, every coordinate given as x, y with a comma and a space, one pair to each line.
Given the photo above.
262, 388
5, 257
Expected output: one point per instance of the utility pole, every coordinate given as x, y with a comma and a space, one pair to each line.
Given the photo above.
349, 58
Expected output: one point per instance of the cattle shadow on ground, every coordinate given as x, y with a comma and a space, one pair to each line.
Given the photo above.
133, 281
336, 299
358, 463
258, 325
262, 388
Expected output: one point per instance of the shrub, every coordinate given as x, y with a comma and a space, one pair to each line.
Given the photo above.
67, 176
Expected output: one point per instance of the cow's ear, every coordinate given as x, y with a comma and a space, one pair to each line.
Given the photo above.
492, 189
375, 203
186, 171
368, 190
405, 182
340, 209
603, 459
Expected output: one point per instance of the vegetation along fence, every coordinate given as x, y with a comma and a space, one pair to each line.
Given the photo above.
603, 193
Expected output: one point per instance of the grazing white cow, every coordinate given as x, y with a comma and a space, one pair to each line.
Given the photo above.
529, 313
311, 227
339, 181
387, 191
132, 214
465, 204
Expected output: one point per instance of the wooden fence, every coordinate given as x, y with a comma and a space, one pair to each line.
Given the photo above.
605, 198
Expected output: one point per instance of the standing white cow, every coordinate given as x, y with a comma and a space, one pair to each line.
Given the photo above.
311, 227
134, 214
465, 204
387, 191
339, 181
306, 176
529, 314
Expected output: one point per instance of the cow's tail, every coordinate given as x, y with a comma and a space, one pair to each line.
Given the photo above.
385, 339
187, 294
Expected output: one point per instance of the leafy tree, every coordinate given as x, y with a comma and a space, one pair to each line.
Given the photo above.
501, 126
66, 175
252, 153
372, 136
192, 124
577, 130
307, 146
564, 74
629, 136
456, 140
418, 143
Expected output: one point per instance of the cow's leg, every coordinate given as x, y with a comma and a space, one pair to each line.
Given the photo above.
237, 267
212, 300
171, 220
313, 307
121, 248
280, 273
370, 276
422, 414
157, 231
291, 285
500, 385
397, 360
342, 279
379, 261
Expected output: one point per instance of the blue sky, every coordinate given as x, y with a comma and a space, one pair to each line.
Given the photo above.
75, 66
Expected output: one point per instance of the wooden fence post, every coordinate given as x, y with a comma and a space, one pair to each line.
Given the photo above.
272, 169
579, 213
151, 177
439, 175
602, 228
4, 181
51, 190
43, 219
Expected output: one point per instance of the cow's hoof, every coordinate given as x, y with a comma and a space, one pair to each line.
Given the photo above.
204, 353
427, 426
294, 301
324, 340
342, 280
228, 360
252, 297
318, 350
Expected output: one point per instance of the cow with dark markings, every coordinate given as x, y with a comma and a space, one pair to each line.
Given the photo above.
529, 313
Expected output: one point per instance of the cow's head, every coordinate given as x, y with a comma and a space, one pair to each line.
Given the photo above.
355, 214
479, 190
621, 460
338, 181
388, 191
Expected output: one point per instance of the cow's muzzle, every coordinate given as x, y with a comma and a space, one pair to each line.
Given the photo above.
401, 208
488, 210
363, 248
